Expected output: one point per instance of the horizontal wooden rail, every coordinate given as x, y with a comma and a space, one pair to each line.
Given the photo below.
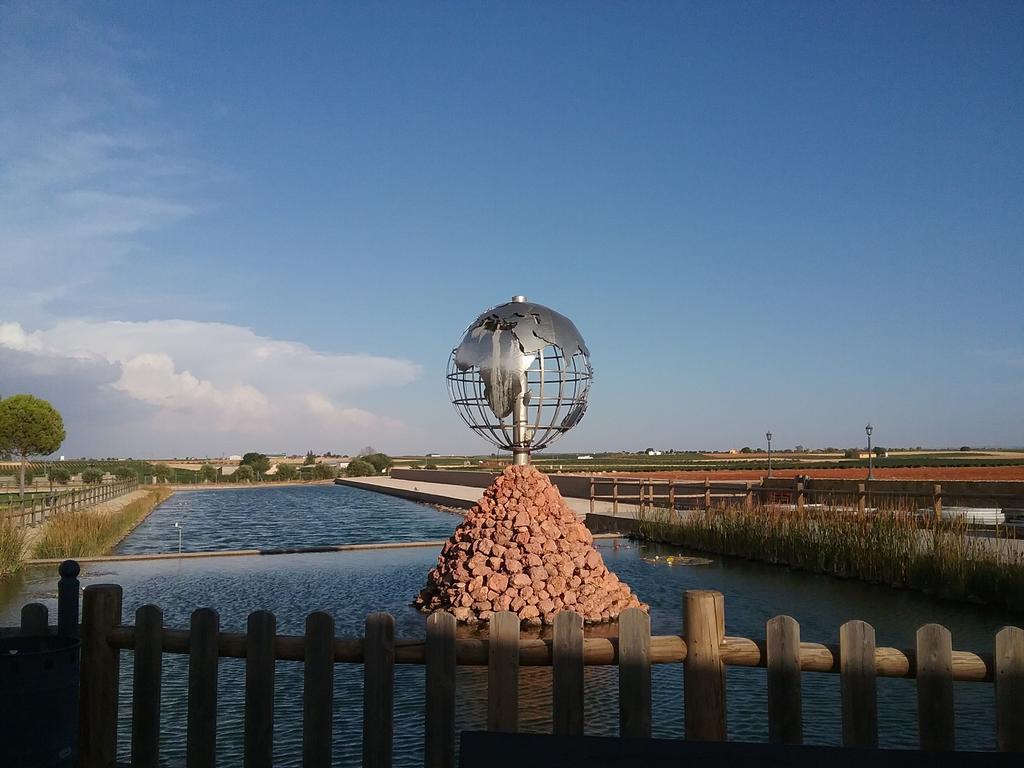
597, 651
41, 507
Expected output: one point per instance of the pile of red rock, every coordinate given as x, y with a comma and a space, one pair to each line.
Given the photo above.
522, 549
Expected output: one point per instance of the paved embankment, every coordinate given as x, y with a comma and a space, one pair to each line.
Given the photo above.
245, 486
450, 495
250, 552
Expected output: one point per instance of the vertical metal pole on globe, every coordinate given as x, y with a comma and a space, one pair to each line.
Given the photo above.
520, 443
520, 439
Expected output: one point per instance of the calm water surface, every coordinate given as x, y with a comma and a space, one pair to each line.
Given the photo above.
350, 585
292, 516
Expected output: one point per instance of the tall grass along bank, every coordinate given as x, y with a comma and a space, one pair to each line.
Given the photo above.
886, 547
12, 547
90, 534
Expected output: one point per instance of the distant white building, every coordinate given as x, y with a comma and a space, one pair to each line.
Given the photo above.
652, 452
584, 458
234, 457
879, 455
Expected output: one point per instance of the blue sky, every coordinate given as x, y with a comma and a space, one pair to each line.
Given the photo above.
790, 216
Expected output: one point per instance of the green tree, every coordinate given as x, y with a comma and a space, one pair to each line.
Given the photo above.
125, 472
360, 468
258, 461
310, 459
58, 475
379, 461
208, 473
161, 472
286, 471
245, 473
324, 472
92, 475
29, 426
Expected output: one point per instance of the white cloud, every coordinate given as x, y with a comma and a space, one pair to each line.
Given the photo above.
196, 386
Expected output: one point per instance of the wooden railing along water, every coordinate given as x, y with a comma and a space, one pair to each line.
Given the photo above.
649, 493
702, 647
38, 508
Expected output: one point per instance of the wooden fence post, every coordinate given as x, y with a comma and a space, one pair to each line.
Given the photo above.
259, 690
857, 684
672, 498
201, 737
97, 700
503, 672
67, 599
35, 619
935, 687
1009, 680
567, 675
148, 662
799, 497
439, 730
861, 499
318, 691
591, 495
615, 496
703, 670
378, 690
937, 502
748, 499
785, 714
635, 674
707, 494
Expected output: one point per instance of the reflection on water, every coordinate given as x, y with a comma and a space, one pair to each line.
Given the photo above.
350, 585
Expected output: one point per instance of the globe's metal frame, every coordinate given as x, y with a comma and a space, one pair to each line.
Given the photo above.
535, 406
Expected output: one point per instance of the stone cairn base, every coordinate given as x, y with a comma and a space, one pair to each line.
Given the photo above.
522, 549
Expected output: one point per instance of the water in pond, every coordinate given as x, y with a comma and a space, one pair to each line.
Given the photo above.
290, 516
351, 584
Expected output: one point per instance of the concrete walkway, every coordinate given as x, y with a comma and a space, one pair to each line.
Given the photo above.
460, 496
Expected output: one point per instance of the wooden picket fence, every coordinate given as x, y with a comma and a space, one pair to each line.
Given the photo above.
703, 648
39, 508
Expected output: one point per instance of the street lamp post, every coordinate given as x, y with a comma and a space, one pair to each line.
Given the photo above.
871, 473
769, 436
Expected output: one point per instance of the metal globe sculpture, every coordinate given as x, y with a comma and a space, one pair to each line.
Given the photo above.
521, 376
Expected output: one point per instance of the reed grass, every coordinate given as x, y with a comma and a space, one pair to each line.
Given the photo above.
12, 547
893, 547
86, 533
